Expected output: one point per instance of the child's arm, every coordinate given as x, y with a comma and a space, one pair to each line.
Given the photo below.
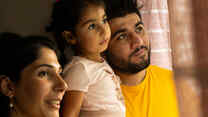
78, 83
72, 102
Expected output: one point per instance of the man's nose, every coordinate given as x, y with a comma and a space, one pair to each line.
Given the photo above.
136, 40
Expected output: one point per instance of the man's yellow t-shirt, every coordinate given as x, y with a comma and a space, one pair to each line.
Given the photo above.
155, 96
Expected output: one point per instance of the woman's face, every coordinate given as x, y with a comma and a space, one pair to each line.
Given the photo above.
41, 88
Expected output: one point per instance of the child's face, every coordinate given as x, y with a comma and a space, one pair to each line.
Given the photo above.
93, 31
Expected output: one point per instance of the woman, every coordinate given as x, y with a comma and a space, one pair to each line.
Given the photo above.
30, 80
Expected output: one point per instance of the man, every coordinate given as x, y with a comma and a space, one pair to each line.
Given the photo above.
148, 90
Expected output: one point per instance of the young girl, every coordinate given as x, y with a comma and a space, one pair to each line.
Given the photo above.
94, 89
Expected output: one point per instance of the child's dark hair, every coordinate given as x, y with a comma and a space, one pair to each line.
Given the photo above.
17, 53
119, 8
66, 15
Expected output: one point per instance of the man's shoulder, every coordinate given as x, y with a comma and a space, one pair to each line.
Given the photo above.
159, 71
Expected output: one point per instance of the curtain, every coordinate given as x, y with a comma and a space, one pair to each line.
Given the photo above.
156, 21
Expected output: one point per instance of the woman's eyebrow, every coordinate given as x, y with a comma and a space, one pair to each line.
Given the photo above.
45, 65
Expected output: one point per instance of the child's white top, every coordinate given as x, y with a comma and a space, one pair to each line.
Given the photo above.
99, 83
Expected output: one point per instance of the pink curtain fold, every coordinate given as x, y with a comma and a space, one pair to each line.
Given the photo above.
156, 20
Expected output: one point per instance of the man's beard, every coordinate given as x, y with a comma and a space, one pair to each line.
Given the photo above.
126, 66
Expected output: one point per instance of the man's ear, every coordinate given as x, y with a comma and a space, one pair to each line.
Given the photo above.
6, 86
69, 37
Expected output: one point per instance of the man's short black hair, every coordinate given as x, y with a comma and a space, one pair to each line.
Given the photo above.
119, 8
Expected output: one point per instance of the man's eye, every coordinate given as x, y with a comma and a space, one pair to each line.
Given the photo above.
43, 74
91, 26
139, 29
122, 36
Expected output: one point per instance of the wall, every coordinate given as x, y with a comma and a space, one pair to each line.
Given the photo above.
25, 16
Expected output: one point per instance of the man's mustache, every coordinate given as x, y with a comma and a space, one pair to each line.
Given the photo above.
138, 49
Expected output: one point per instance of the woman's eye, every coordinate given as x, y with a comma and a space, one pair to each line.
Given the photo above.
139, 29
91, 26
122, 36
43, 74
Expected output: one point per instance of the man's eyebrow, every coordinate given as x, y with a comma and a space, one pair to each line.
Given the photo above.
139, 23
117, 32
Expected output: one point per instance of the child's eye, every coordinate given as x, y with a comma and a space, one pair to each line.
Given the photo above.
43, 74
122, 36
91, 26
104, 21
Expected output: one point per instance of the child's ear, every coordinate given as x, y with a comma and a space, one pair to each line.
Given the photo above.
6, 86
69, 37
